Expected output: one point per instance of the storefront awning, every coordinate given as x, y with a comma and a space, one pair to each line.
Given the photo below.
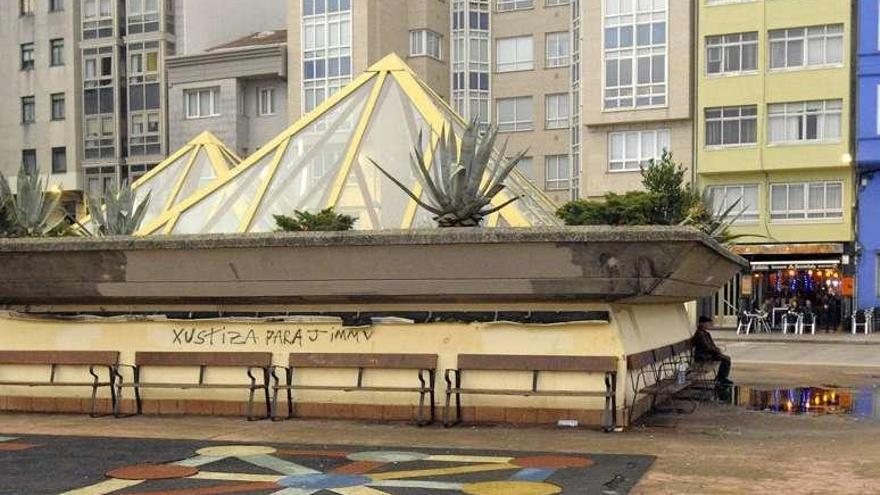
818, 249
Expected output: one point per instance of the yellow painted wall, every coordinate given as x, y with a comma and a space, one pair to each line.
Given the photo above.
632, 329
762, 163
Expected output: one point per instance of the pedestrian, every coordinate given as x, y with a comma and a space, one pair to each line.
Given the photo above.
705, 350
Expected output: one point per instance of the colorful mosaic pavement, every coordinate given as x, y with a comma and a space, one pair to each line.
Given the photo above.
105, 466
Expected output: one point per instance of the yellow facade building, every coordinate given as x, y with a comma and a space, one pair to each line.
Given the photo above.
774, 132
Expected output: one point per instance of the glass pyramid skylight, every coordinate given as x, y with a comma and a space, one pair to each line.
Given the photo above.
319, 162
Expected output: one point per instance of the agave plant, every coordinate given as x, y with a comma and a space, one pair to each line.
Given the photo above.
32, 210
115, 212
462, 185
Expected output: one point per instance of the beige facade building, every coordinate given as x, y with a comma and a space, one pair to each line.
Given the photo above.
504, 61
39, 96
635, 89
83, 95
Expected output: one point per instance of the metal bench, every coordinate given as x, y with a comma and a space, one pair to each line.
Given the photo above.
424, 364
536, 365
252, 361
53, 359
654, 373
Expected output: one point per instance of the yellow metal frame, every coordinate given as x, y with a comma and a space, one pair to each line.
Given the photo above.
427, 103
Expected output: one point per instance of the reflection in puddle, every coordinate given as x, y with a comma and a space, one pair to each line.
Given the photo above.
861, 402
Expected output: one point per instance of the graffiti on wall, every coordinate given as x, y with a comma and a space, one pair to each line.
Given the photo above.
278, 337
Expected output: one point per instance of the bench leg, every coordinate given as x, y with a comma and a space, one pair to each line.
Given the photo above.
94, 413
433, 376
290, 411
447, 404
420, 415
609, 421
266, 381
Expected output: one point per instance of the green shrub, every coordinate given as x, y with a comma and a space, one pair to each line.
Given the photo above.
324, 220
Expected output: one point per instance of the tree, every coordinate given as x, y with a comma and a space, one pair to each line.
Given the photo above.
673, 197
324, 220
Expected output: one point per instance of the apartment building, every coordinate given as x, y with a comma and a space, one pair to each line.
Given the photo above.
86, 103
635, 89
774, 137
237, 91
39, 97
504, 61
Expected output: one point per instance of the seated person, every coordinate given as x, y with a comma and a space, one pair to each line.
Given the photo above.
705, 350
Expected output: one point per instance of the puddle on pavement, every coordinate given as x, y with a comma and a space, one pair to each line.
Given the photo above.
858, 402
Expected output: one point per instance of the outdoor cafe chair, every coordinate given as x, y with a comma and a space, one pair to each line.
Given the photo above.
808, 321
863, 319
793, 321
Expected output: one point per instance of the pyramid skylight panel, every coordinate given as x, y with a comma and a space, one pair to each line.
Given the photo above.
320, 162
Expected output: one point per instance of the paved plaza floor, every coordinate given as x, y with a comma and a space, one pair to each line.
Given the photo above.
102, 465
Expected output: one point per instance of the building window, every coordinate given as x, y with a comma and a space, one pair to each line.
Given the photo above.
266, 101
514, 54
58, 109
143, 135
508, 5
633, 151
29, 160
100, 179
142, 16
558, 49
326, 42
425, 43
732, 126
806, 200
26, 7
202, 103
635, 54
742, 198
806, 46
56, 49
100, 137
557, 110
515, 114
144, 95
732, 53
526, 166
554, 3
28, 110
97, 19
470, 59
56, 5
27, 56
804, 121
557, 173
59, 160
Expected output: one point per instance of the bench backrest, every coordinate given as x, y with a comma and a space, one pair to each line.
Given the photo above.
682, 347
347, 360
502, 362
230, 359
73, 358
663, 353
640, 360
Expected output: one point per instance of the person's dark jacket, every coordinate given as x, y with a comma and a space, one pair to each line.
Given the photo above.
704, 346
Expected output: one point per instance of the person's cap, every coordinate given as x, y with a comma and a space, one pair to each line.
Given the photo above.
705, 319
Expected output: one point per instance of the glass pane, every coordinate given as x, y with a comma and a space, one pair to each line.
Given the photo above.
199, 176
378, 202
796, 197
223, 210
313, 158
160, 187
